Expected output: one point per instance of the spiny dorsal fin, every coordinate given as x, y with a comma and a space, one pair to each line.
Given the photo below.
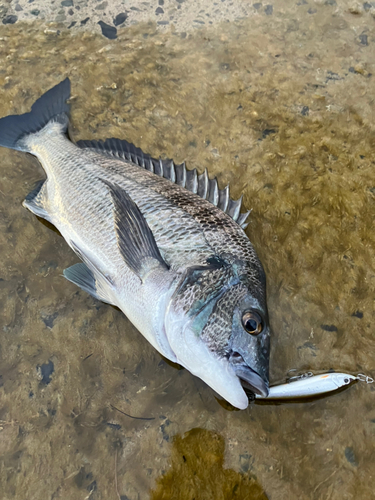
199, 184
203, 184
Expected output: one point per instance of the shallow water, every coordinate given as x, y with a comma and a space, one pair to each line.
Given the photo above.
282, 107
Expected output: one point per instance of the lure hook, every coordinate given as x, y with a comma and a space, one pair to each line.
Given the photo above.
365, 378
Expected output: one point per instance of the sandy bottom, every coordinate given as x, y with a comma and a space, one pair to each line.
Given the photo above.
281, 105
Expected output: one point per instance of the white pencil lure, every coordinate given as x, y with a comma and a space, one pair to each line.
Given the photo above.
309, 385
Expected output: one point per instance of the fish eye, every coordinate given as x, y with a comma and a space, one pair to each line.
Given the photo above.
346, 380
252, 322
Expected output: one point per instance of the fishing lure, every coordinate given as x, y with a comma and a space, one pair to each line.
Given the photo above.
309, 385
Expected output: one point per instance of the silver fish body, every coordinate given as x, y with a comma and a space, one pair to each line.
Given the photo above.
157, 241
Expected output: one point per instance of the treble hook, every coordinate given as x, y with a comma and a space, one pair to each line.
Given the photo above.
365, 378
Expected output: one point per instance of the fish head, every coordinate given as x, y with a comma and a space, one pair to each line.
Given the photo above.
217, 326
249, 344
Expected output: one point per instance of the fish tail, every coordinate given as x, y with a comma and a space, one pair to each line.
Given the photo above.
50, 107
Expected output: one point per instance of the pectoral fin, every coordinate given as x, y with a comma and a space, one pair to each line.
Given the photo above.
134, 236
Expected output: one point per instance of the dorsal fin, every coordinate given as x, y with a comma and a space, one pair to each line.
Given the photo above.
199, 184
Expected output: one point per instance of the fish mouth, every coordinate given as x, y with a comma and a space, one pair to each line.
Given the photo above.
249, 378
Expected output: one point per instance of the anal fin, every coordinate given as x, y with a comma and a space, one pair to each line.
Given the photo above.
36, 201
98, 282
82, 276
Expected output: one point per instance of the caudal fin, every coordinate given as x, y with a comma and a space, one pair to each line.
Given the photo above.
51, 106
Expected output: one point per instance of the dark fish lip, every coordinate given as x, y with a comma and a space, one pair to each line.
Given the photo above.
251, 380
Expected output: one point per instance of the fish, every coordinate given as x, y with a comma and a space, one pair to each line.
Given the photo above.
162, 243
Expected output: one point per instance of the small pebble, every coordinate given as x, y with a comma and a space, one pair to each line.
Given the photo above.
102, 6
117, 427
10, 19
268, 131
358, 314
108, 31
363, 39
268, 10
120, 18
49, 319
329, 328
350, 456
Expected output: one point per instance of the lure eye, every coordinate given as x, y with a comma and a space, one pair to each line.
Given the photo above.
252, 322
346, 380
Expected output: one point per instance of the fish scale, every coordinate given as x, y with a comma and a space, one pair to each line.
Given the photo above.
159, 241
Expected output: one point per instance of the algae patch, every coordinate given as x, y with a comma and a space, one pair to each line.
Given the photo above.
197, 472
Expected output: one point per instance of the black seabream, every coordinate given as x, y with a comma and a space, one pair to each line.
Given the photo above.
160, 242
